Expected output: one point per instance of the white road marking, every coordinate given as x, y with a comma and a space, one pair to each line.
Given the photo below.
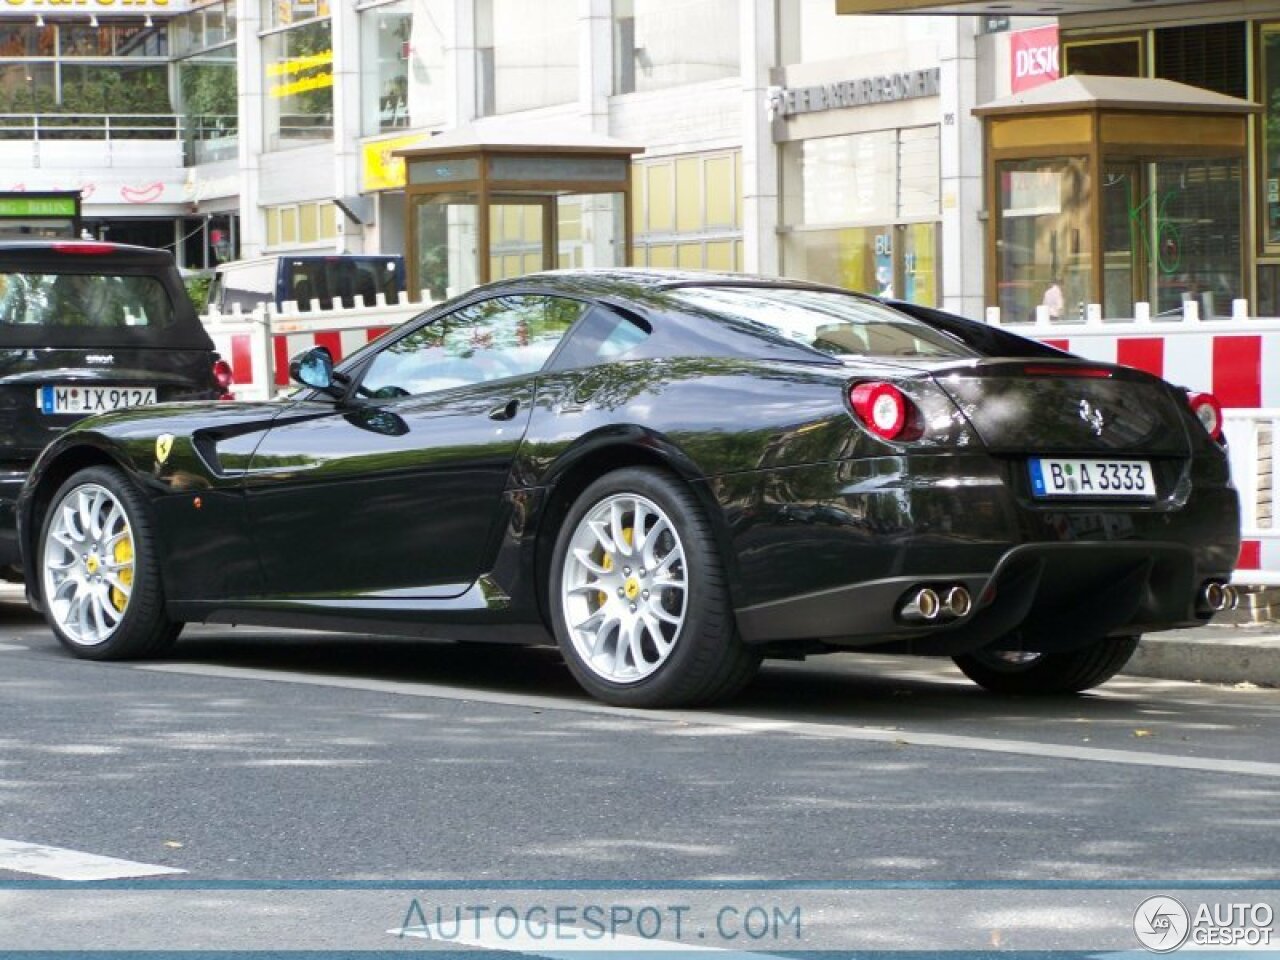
742, 724
5, 647
58, 863
485, 934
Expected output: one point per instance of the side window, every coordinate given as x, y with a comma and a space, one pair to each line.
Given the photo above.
604, 335
503, 337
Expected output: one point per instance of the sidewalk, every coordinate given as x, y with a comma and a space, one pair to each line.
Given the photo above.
1229, 653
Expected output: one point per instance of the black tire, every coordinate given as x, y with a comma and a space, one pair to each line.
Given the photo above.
1050, 674
708, 662
144, 630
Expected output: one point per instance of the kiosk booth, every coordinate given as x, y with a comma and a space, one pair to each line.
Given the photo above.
483, 207
1116, 191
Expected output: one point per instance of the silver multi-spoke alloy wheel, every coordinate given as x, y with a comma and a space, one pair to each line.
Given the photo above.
88, 564
625, 590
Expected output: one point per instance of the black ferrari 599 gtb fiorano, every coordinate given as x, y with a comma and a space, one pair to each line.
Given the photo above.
674, 475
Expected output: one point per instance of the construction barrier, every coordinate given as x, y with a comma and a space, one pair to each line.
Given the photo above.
258, 345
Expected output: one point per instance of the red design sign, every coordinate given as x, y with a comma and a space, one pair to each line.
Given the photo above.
1033, 58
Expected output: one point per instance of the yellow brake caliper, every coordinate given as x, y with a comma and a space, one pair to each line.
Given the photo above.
122, 554
607, 560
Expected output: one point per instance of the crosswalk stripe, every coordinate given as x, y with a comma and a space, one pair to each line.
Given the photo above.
58, 863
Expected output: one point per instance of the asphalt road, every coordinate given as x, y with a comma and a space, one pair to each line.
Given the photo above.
266, 755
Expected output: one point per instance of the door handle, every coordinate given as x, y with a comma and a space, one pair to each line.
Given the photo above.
506, 411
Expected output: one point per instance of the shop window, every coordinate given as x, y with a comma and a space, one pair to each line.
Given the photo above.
887, 260
527, 54
666, 43
1119, 57
688, 211
298, 105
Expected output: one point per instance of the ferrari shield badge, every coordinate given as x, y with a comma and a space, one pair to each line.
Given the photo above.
164, 446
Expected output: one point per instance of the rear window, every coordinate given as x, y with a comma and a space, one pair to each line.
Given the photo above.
83, 300
350, 281
837, 324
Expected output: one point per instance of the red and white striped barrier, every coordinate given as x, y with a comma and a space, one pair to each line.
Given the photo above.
258, 345
1236, 360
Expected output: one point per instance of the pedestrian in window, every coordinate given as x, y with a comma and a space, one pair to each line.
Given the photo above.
1053, 300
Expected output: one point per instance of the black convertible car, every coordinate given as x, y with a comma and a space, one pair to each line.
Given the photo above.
675, 475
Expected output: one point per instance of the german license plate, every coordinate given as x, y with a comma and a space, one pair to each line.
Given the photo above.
67, 398
1092, 478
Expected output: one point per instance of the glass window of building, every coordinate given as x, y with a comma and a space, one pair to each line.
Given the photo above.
527, 54
687, 211
861, 212
207, 85
667, 43
288, 13
1210, 55
118, 67
305, 224
1270, 97
1115, 57
402, 46
298, 83
1044, 245
19, 40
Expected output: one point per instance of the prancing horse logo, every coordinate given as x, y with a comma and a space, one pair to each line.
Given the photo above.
1093, 416
164, 446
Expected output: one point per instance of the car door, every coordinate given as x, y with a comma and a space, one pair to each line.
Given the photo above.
398, 491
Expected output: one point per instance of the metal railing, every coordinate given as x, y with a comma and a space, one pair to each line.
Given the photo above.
92, 126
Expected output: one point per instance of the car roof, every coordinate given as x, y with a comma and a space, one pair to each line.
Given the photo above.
646, 281
24, 251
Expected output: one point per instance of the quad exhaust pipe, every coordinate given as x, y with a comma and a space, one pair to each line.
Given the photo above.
930, 605
1218, 596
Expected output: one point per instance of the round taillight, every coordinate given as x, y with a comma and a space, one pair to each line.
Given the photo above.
223, 375
1208, 411
882, 407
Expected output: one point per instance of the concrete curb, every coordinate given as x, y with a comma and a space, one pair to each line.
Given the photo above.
1213, 654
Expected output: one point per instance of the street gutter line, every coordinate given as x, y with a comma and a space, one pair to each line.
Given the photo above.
738, 723
59, 863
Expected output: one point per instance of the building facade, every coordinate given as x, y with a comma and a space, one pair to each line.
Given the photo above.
778, 136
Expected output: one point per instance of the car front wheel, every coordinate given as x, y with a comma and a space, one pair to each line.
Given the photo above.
1047, 674
99, 576
638, 598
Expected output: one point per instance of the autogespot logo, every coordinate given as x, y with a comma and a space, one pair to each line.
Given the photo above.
1162, 924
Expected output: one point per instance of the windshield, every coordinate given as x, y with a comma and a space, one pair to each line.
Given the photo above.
837, 324
83, 300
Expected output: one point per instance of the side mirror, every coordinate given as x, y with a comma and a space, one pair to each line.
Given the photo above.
313, 368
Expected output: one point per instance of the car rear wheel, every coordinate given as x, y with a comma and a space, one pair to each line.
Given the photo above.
99, 576
638, 596
1026, 672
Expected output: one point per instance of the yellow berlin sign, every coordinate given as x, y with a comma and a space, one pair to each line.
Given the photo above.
379, 170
